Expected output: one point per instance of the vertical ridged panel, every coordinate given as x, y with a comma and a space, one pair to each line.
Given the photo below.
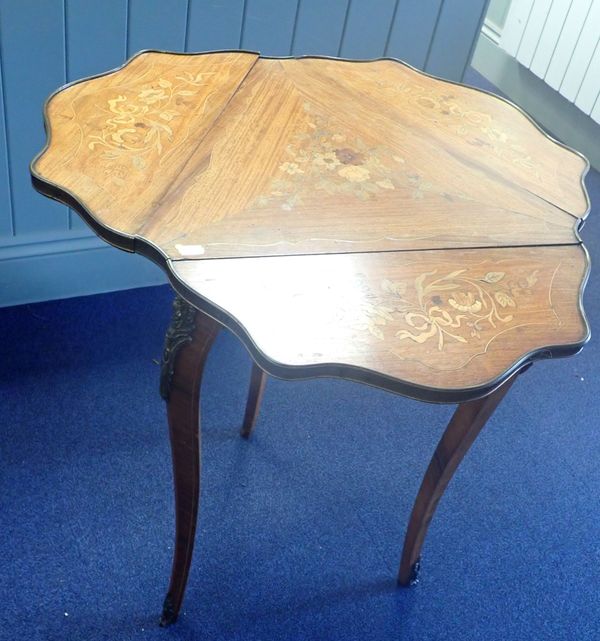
156, 24
533, 31
590, 86
514, 27
6, 223
269, 26
595, 115
412, 31
455, 37
582, 54
32, 35
95, 36
546, 45
566, 42
319, 27
367, 28
214, 24
558, 40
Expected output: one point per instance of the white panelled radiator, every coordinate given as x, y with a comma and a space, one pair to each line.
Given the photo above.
559, 41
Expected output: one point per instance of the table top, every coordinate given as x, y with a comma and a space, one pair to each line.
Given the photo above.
346, 218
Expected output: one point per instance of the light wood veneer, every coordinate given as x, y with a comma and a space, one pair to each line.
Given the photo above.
360, 219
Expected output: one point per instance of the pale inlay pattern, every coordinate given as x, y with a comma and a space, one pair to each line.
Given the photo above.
347, 218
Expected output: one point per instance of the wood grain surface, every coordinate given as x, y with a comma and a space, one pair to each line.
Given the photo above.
354, 213
118, 141
445, 319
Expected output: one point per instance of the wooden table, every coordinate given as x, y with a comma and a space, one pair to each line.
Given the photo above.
352, 219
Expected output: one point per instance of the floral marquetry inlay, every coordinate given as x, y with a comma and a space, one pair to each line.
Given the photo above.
438, 317
324, 159
458, 306
478, 128
348, 218
140, 123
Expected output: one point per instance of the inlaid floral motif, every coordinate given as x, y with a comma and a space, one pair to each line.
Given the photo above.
326, 160
141, 124
453, 307
478, 128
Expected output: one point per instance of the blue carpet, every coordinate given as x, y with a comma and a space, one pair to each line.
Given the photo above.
301, 527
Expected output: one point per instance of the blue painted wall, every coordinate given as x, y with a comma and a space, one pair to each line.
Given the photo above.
45, 250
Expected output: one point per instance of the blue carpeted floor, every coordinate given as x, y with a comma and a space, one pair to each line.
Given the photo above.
301, 527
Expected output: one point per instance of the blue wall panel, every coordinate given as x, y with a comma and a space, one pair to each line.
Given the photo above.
32, 36
95, 40
412, 30
156, 24
96, 36
269, 26
45, 252
6, 226
367, 28
215, 24
451, 49
319, 27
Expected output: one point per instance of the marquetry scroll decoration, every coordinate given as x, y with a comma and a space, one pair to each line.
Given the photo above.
179, 333
140, 123
452, 307
475, 127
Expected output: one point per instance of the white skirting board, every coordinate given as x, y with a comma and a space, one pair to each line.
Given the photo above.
68, 268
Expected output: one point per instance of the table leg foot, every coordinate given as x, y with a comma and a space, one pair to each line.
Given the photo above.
187, 344
258, 380
168, 615
413, 578
468, 420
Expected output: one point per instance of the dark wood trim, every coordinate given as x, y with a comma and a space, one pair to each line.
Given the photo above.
258, 380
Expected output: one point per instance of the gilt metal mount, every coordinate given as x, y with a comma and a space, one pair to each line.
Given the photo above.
179, 333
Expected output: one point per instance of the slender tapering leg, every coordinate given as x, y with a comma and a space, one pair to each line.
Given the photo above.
258, 379
466, 423
187, 344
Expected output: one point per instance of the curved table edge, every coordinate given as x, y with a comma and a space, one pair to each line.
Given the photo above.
581, 217
363, 375
136, 244
333, 370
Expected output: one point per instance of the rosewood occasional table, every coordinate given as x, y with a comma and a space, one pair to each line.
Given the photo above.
353, 219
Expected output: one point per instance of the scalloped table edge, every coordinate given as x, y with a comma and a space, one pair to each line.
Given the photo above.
139, 245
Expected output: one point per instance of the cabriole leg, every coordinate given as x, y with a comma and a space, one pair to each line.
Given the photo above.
187, 344
466, 423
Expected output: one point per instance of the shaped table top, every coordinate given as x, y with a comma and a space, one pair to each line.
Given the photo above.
359, 219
